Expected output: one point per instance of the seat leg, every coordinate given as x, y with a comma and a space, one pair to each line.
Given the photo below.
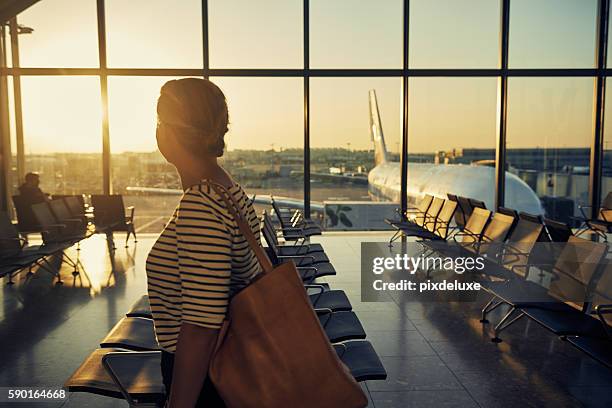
504, 323
394, 237
489, 307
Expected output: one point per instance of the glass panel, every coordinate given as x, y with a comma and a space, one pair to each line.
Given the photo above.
451, 139
606, 176
342, 154
549, 133
552, 33
139, 171
454, 34
65, 34
261, 34
265, 142
62, 132
356, 34
154, 34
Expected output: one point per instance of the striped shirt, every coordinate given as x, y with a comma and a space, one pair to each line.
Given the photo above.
199, 262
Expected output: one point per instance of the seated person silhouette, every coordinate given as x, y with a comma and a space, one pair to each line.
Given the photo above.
30, 192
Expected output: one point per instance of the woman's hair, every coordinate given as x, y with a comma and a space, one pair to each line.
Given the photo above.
197, 109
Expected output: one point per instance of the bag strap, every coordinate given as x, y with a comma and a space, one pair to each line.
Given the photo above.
244, 227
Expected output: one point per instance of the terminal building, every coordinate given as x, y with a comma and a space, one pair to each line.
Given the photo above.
359, 131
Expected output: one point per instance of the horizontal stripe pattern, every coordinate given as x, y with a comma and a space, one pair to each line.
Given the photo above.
200, 260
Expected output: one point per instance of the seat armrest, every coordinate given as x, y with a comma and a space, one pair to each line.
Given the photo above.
602, 310
130, 216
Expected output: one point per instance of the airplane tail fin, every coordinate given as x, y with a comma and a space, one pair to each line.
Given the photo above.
376, 132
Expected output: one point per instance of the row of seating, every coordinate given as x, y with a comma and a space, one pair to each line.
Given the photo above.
107, 212
127, 364
62, 222
571, 292
62, 225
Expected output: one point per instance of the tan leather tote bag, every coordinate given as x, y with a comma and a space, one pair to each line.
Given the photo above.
272, 351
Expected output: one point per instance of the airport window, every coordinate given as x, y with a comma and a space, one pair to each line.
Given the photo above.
137, 165
370, 36
451, 117
452, 123
265, 142
63, 140
343, 153
552, 33
548, 143
454, 34
154, 34
262, 34
41, 44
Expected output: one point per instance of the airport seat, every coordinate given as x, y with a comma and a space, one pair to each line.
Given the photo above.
436, 227
26, 221
460, 218
320, 296
16, 254
416, 214
465, 206
74, 225
302, 248
138, 333
76, 207
310, 266
600, 226
267, 230
294, 217
67, 232
425, 221
555, 306
597, 348
136, 376
295, 228
140, 308
132, 333
133, 376
361, 359
474, 229
557, 231
474, 203
495, 234
110, 216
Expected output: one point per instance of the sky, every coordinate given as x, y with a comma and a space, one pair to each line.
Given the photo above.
64, 113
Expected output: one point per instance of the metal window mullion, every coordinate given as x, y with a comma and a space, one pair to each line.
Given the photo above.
405, 95
597, 142
106, 153
17, 100
205, 40
5, 140
502, 106
306, 45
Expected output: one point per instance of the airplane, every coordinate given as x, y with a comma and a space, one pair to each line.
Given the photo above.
384, 180
473, 181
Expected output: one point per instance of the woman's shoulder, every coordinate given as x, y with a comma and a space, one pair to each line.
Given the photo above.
204, 193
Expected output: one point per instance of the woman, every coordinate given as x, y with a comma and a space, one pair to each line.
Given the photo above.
201, 259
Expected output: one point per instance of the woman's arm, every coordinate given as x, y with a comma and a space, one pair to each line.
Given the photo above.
191, 360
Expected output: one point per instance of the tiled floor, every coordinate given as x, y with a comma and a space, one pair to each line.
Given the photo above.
436, 354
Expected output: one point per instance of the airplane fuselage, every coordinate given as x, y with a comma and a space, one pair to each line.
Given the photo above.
477, 182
